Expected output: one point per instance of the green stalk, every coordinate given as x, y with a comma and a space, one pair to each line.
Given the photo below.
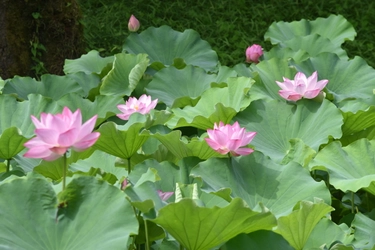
146, 232
352, 202
129, 166
8, 165
65, 168
184, 174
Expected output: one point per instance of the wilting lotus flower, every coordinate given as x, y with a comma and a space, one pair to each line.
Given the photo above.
133, 24
55, 134
164, 195
228, 138
133, 105
253, 53
309, 88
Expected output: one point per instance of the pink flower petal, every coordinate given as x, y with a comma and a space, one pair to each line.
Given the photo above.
243, 151
312, 93
86, 142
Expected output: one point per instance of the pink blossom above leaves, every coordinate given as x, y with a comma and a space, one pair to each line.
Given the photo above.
301, 87
55, 134
253, 53
144, 105
228, 138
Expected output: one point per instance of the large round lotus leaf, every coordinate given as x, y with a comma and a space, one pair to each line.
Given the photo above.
89, 214
276, 123
351, 168
315, 44
89, 63
49, 86
201, 228
335, 28
171, 85
164, 44
257, 179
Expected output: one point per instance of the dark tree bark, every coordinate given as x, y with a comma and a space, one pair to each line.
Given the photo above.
38, 35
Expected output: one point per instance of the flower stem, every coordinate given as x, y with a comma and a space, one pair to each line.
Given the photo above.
8, 166
146, 232
129, 166
352, 202
65, 167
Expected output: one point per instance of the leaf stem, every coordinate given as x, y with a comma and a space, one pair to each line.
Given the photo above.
65, 167
352, 202
8, 165
146, 232
129, 166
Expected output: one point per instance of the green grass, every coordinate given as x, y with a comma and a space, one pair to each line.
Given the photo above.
228, 25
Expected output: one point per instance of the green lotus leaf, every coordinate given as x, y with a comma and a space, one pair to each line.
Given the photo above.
352, 168
168, 44
103, 106
17, 114
297, 226
201, 228
54, 169
88, 82
276, 123
364, 232
122, 140
356, 122
195, 147
126, 72
286, 53
350, 79
326, 232
261, 239
168, 173
208, 110
145, 198
257, 179
269, 72
49, 86
99, 160
171, 84
336, 28
89, 63
32, 217
299, 152
11, 143
315, 44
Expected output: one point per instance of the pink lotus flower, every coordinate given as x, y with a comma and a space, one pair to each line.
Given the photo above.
309, 88
164, 195
55, 134
144, 105
133, 24
253, 53
228, 138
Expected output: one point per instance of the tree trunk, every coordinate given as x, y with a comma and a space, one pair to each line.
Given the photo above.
38, 35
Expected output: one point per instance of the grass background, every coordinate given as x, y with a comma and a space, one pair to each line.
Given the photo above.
228, 25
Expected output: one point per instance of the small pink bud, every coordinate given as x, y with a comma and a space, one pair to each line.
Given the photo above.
133, 24
124, 184
253, 53
164, 195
